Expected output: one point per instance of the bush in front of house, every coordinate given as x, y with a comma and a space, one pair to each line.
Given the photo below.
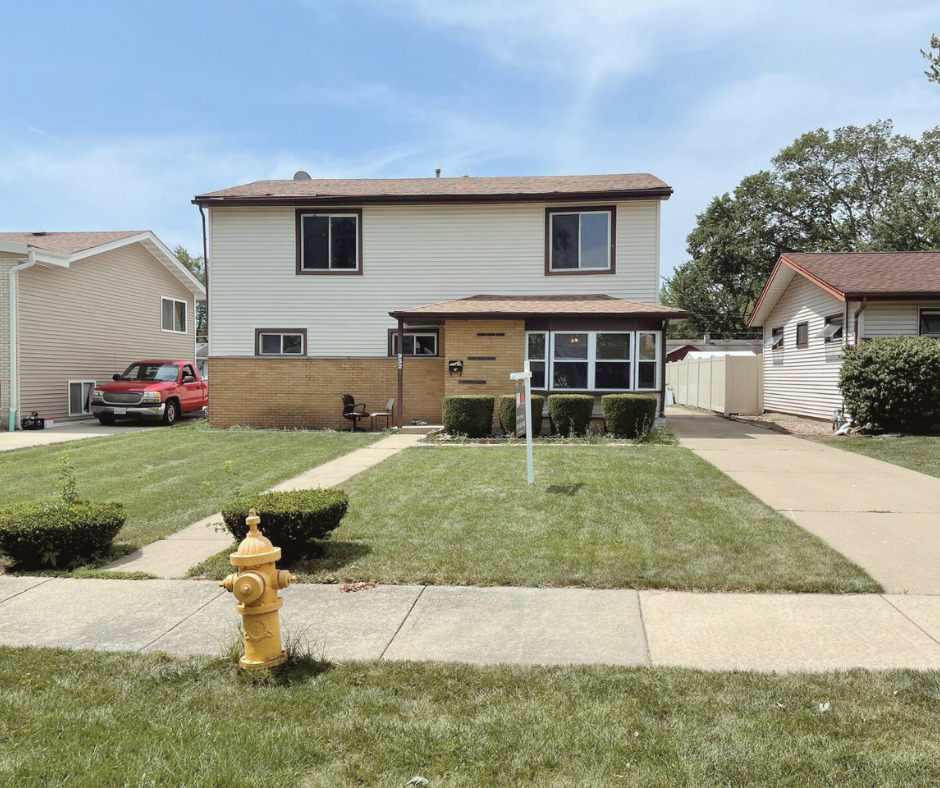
468, 414
58, 535
628, 415
893, 383
570, 414
507, 413
293, 520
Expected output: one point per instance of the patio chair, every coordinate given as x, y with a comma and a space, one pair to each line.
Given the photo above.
353, 412
387, 413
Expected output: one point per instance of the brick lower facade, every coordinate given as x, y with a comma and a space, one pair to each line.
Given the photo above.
275, 392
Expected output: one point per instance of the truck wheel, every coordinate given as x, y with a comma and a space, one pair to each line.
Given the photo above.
171, 412
106, 419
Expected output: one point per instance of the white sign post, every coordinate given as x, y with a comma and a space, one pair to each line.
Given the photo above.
526, 379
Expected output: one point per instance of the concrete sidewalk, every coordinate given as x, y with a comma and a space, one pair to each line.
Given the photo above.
173, 556
72, 431
523, 626
883, 517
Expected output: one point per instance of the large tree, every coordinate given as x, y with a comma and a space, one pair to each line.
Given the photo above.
933, 58
853, 189
197, 267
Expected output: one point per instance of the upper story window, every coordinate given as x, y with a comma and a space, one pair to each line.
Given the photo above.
329, 241
280, 341
930, 323
173, 315
580, 240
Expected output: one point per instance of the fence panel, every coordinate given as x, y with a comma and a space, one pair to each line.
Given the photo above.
724, 384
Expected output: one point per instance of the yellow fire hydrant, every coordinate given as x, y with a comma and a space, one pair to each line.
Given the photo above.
256, 586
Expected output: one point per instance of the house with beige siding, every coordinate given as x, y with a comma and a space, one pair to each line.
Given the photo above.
814, 304
410, 289
75, 308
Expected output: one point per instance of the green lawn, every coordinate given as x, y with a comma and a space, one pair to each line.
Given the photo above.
918, 452
168, 478
600, 516
87, 719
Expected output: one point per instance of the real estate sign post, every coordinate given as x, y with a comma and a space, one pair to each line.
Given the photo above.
523, 422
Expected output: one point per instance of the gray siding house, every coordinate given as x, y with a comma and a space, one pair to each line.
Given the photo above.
77, 307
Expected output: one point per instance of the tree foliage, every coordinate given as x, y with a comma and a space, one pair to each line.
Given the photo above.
933, 58
852, 189
197, 267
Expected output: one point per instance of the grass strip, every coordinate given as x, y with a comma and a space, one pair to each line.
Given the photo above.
919, 453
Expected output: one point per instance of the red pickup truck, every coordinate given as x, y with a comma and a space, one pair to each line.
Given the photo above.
151, 390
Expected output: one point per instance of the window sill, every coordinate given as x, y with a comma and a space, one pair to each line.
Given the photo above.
579, 271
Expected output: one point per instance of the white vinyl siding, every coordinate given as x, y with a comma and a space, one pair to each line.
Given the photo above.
892, 319
412, 255
803, 380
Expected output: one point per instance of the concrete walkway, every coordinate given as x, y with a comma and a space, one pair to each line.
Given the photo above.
524, 626
883, 517
72, 431
173, 556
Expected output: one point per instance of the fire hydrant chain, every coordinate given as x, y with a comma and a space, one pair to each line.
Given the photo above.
255, 586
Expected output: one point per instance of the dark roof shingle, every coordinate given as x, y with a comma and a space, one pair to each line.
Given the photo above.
548, 305
67, 243
873, 273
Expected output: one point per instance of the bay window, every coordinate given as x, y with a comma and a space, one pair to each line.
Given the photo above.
594, 360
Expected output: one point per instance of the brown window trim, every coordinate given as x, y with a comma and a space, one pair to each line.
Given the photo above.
436, 331
805, 327
612, 209
260, 331
300, 270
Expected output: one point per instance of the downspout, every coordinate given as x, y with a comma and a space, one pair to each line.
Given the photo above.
205, 265
30, 262
662, 368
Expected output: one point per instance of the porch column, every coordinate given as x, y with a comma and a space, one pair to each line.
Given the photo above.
401, 371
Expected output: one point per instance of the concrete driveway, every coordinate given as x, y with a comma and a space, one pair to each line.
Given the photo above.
72, 431
883, 517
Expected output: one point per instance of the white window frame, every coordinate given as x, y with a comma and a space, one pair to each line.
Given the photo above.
407, 333
174, 301
329, 242
303, 343
830, 329
544, 359
920, 317
551, 246
86, 400
775, 342
592, 360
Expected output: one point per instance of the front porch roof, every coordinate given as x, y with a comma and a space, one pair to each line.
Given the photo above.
535, 306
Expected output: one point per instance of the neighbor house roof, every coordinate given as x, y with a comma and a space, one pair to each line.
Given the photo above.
854, 275
67, 243
424, 190
495, 306
62, 249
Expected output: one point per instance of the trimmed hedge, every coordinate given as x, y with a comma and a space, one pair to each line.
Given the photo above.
292, 520
468, 414
507, 413
628, 415
893, 383
570, 414
58, 534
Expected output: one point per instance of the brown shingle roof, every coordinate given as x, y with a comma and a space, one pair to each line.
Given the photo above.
549, 187
67, 243
873, 273
533, 306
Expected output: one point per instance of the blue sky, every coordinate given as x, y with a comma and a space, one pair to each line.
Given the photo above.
116, 114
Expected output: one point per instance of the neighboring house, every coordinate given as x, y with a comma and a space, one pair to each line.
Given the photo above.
678, 349
76, 308
814, 304
315, 286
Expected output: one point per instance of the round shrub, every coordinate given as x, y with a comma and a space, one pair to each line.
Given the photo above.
292, 520
628, 415
570, 414
59, 534
507, 413
893, 383
468, 414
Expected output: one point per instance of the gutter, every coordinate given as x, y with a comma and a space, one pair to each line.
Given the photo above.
31, 261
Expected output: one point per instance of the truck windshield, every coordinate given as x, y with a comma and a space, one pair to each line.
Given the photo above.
160, 372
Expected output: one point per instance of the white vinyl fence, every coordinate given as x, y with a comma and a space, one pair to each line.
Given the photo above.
724, 384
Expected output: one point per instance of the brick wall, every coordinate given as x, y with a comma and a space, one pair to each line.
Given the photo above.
468, 341
272, 392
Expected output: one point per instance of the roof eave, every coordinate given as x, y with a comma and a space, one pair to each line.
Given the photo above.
407, 315
658, 193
